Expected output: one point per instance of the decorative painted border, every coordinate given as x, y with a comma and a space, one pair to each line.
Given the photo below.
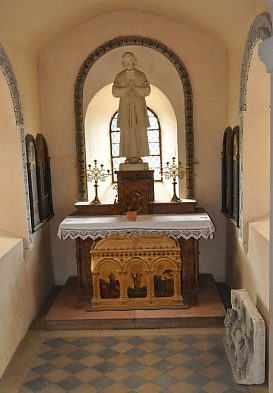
78, 104
8, 72
261, 29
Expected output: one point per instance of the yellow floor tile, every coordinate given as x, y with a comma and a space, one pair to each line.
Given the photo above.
182, 387
149, 359
149, 373
180, 372
215, 387
119, 373
149, 388
85, 388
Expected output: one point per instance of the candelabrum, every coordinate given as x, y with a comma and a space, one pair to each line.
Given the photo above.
173, 171
96, 174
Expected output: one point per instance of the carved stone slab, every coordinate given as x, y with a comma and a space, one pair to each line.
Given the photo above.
245, 339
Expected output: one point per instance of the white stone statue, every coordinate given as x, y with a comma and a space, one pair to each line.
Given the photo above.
131, 87
245, 339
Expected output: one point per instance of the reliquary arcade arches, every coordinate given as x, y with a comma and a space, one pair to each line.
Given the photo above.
136, 271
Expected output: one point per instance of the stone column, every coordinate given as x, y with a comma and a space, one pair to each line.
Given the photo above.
177, 295
150, 287
123, 287
266, 56
96, 288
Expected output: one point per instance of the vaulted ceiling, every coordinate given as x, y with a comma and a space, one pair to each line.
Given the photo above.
36, 23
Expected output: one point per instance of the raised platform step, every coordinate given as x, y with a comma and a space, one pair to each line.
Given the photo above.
206, 310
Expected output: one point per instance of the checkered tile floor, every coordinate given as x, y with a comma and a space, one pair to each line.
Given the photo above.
132, 364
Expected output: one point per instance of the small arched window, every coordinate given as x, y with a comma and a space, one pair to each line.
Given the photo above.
154, 139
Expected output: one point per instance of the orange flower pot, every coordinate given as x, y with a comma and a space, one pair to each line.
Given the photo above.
131, 215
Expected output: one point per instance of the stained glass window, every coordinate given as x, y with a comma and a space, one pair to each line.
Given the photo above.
154, 139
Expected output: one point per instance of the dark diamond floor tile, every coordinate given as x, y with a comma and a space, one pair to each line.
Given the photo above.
164, 365
163, 352
190, 351
107, 353
84, 341
215, 338
79, 354
189, 340
226, 377
136, 340
218, 350
38, 384
70, 383
74, 368
104, 367
166, 381
194, 365
134, 366
135, 353
223, 366
55, 342
134, 381
196, 380
109, 341
162, 340
43, 369
50, 355
101, 383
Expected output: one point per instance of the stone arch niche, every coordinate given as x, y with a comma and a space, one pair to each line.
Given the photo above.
79, 112
260, 30
7, 70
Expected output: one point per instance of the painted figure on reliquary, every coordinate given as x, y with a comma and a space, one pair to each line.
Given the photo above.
131, 87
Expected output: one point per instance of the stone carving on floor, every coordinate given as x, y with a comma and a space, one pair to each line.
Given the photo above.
245, 339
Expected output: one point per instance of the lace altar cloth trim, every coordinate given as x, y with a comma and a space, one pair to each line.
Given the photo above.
176, 226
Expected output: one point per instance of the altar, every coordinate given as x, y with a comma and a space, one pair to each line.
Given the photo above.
184, 229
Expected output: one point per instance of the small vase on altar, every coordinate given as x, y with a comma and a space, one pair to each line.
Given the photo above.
131, 215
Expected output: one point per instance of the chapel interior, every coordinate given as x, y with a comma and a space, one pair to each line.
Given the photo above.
208, 64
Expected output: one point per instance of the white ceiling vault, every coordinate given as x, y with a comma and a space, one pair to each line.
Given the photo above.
34, 24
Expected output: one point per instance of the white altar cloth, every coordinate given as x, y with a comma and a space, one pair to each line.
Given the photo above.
194, 225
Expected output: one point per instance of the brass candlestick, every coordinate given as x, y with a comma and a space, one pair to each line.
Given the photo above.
96, 174
172, 172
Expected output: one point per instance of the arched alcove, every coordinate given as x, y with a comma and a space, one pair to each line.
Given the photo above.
97, 139
13, 138
15, 209
82, 91
256, 142
260, 30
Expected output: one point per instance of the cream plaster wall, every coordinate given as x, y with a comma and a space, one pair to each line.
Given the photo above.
235, 57
249, 269
25, 67
206, 63
25, 280
248, 259
12, 196
256, 142
26, 276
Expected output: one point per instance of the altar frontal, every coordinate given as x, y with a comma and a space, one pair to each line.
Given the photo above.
136, 272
